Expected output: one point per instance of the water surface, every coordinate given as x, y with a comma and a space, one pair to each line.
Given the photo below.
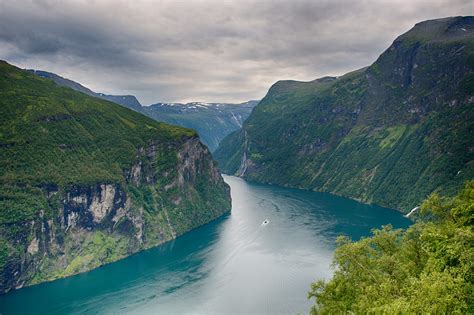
232, 265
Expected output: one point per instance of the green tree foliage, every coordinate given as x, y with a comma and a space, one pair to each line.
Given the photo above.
428, 268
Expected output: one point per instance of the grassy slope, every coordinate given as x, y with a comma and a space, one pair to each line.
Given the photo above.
388, 134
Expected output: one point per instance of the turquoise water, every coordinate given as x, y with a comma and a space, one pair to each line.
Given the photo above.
232, 265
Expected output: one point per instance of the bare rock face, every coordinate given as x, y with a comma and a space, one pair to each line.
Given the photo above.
101, 205
33, 247
88, 206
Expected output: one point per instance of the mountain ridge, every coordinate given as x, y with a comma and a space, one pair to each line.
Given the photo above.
129, 101
212, 121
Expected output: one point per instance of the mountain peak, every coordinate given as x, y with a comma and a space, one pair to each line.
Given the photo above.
439, 30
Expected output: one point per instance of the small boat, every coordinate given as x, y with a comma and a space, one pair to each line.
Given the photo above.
265, 222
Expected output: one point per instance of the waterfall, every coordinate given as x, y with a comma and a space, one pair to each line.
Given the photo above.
412, 211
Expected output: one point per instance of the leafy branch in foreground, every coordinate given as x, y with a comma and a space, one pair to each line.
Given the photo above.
428, 268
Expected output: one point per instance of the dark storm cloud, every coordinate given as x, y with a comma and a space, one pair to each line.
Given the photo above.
204, 50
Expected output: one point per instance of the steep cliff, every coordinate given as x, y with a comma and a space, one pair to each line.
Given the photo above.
84, 182
388, 134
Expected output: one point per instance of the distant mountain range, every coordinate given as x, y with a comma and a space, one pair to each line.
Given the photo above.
388, 134
212, 121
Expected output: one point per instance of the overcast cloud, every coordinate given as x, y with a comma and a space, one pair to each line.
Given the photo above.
222, 51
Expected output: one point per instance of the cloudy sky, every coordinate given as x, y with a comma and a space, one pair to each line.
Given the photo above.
222, 51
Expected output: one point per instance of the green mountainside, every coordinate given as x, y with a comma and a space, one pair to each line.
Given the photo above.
389, 134
84, 182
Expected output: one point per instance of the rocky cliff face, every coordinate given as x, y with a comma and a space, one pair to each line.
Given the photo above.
100, 183
388, 134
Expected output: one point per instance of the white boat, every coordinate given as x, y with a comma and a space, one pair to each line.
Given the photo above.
265, 222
